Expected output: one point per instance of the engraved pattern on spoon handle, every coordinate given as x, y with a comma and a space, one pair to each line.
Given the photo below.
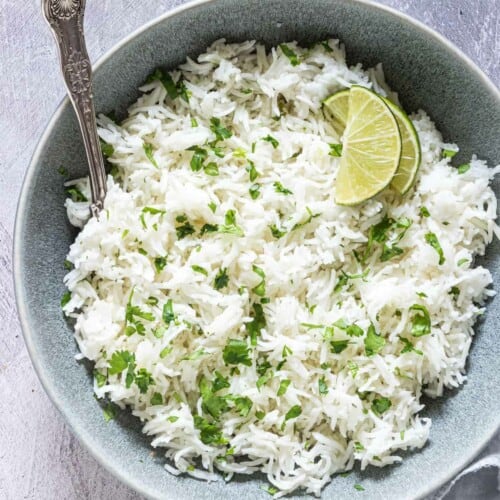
65, 17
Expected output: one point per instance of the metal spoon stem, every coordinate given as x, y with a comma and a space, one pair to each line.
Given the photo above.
65, 17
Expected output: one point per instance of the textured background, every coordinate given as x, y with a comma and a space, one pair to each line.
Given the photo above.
39, 457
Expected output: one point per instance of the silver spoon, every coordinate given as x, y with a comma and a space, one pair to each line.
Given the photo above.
65, 17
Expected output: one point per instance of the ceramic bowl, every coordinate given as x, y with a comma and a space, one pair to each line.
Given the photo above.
426, 70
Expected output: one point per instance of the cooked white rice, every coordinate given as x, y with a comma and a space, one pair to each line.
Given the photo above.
341, 407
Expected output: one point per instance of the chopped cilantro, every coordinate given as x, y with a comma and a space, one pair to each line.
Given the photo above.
194, 122
195, 355
283, 386
335, 150
424, 212
211, 169
230, 226
323, 388
354, 331
198, 158
409, 347
326, 46
279, 188
243, 405
160, 263
65, 298
258, 322
269, 138
143, 379
293, 412
199, 269
212, 404
373, 342
100, 378
252, 171
236, 352
120, 360
76, 194
433, 241
156, 399
212, 206
259, 414
168, 314
209, 433
269, 489
69, 265
221, 279
288, 52
448, 153
461, 262
185, 229
173, 89
219, 382
381, 405
422, 295
152, 301
254, 191
109, 412
358, 446
353, 368
148, 150
106, 149
309, 219
337, 346
165, 352
463, 168
220, 132
277, 232
63, 170
421, 322
173, 418
239, 153
359, 487
209, 228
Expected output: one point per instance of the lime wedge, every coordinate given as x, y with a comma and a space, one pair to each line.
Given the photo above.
371, 148
335, 109
410, 151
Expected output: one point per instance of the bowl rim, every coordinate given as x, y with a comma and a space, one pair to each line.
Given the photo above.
80, 434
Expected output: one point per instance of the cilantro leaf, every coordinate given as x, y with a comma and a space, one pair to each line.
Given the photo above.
100, 378
168, 314
106, 149
258, 322
254, 191
448, 153
283, 387
381, 405
424, 212
288, 52
335, 150
220, 132
185, 229
143, 379
236, 352
160, 263
421, 322
211, 169
252, 171
156, 399
209, 228
461, 169
337, 346
212, 206
279, 188
76, 195
373, 342
148, 150
323, 388
209, 433
277, 232
120, 360
243, 405
65, 298
433, 241
293, 412
221, 279
219, 382
269, 138
199, 269
109, 412
409, 347
198, 158
354, 331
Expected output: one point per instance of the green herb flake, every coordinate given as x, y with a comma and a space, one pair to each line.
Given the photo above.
156, 399
165, 352
148, 150
221, 133
143, 380
461, 169
209, 228
106, 149
221, 279
424, 212
120, 360
76, 195
100, 378
283, 387
358, 487
259, 414
243, 405
194, 122
335, 150
269, 138
358, 446
433, 241
326, 46
380, 405
337, 346
448, 153
409, 347
209, 433
252, 171
323, 388
236, 352
212, 206
373, 342
63, 171
277, 232
254, 191
230, 226
198, 158
288, 52
211, 169
195, 355
353, 368
269, 489
354, 331
258, 322
220, 382
65, 298
462, 262
168, 314
185, 229
109, 412
160, 263
421, 321
279, 188
199, 269
293, 412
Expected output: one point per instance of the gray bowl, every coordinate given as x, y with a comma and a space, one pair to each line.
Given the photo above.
424, 68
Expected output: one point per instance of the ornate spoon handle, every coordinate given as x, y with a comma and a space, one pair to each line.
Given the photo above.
65, 17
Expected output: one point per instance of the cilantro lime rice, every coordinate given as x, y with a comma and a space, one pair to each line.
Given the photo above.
250, 322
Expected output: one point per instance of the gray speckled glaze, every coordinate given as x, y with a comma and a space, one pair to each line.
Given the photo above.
426, 71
